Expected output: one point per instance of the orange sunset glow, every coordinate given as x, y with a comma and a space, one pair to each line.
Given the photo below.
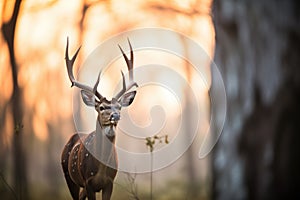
46, 96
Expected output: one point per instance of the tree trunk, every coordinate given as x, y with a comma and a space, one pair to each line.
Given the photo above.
257, 47
20, 176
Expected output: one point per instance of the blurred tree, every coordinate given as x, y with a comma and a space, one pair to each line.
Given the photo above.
20, 176
257, 51
192, 13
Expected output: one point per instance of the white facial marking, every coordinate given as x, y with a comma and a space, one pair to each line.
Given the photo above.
109, 130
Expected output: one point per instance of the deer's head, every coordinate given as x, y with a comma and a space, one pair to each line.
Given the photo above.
108, 110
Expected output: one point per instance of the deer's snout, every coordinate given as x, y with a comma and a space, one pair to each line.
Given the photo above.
114, 117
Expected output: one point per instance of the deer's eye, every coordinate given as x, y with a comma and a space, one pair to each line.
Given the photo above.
101, 108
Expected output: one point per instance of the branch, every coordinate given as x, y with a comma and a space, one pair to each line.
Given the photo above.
173, 9
8, 186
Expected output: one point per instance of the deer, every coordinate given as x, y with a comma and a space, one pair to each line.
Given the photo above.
84, 172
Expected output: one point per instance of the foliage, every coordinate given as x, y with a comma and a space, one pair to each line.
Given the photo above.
150, 141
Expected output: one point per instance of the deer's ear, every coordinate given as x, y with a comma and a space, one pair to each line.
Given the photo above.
127, 98
88, 98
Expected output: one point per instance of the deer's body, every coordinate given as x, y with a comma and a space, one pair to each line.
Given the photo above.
90, 161
82, 169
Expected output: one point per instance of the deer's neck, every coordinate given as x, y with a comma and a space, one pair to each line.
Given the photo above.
104, 146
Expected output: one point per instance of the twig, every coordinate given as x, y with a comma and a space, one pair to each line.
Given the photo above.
133, 188
151, 176
8, 186
150, 142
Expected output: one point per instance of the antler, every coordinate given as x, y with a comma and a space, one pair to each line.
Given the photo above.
69, 64
129, 63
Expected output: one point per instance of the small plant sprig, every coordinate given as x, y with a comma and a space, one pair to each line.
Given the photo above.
150, 143
133, 187
18, 127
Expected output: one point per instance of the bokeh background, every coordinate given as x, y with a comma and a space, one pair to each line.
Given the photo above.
255, 44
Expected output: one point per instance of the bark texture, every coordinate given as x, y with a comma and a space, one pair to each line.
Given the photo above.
19, 160
257, 52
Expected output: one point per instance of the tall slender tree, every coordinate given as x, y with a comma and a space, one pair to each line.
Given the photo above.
20, 176
257, 47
